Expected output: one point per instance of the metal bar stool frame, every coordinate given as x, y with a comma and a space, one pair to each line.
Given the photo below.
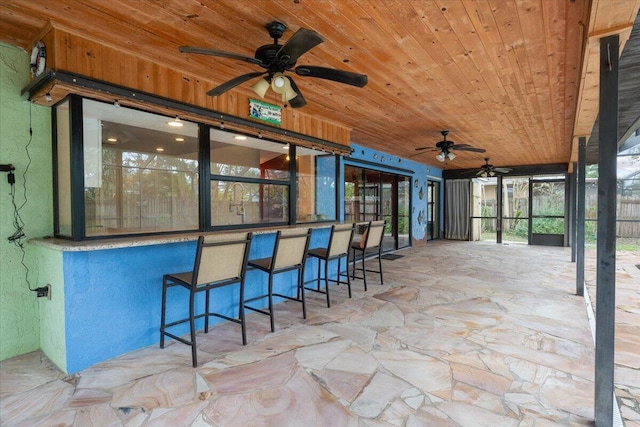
209, 273
338, 248
278, 263
372, 239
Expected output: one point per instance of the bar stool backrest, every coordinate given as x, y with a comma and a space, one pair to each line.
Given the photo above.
221, 257
291, 248
372, 236
341, 237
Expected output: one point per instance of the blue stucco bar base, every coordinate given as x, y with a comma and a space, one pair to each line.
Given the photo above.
112, 295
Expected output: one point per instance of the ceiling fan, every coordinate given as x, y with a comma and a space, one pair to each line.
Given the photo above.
487, 170
276, 59
445, 147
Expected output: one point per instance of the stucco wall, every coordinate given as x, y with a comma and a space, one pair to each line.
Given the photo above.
420, 174
52, 313
19, 307
113, 296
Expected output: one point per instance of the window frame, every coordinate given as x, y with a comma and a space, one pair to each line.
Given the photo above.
76, 148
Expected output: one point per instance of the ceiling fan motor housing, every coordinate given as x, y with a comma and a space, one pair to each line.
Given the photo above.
267, 54
276, 30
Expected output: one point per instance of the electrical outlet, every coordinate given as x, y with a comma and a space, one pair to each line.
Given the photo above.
45, 291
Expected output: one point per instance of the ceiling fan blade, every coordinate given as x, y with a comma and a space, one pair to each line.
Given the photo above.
302, 41
230, 84
468, 148
299, 100
346, 77
220, 53
502, 170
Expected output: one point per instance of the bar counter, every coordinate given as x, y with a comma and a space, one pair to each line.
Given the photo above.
106, 294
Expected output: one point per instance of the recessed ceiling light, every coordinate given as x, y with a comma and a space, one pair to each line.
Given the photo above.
180, 139
240, 137
159, 149
112, 139
175, 123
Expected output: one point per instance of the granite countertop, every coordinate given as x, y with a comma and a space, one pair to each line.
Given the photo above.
65, 245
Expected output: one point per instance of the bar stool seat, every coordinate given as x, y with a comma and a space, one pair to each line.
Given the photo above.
371, 240
338, 248
289, 254
221, 260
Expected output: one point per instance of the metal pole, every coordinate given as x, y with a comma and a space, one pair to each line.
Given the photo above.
581, 199
573, 221
499, 210
606, 256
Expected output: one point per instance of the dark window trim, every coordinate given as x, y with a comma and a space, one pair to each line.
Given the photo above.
54, 159
293, 184
248, 180
204, 155
78, 225
378, 167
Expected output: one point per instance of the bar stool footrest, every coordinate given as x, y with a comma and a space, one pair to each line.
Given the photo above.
177, 338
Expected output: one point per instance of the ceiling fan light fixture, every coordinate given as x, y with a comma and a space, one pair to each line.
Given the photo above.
288, 95
484, 174
260, 87
451, 155
440, 156
492, 173
278, 82
281, 85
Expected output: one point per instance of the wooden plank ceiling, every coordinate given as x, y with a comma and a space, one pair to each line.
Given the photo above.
501, 75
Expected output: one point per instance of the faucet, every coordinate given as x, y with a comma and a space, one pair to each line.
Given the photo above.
238, 205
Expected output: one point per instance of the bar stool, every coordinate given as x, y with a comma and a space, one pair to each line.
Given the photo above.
371, 240
338, 248
221, 260
289, 254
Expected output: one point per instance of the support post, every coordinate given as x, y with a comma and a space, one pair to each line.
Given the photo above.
573, 220
606, 256
580, 214
499, 210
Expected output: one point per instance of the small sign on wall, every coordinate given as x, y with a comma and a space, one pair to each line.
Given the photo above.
271, 114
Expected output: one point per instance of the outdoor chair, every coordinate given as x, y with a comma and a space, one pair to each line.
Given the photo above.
371, 241
337, 249
221, 260
289, 254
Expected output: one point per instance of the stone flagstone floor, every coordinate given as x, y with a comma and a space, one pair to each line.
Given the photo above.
460, 334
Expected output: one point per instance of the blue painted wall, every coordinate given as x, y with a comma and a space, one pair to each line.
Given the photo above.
419, 173
113, 297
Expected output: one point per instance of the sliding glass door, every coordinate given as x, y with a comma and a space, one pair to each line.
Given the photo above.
433, 210
372, 195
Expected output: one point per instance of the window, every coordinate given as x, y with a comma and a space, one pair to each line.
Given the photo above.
140, 172
316, 178
121, 171
250, 181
